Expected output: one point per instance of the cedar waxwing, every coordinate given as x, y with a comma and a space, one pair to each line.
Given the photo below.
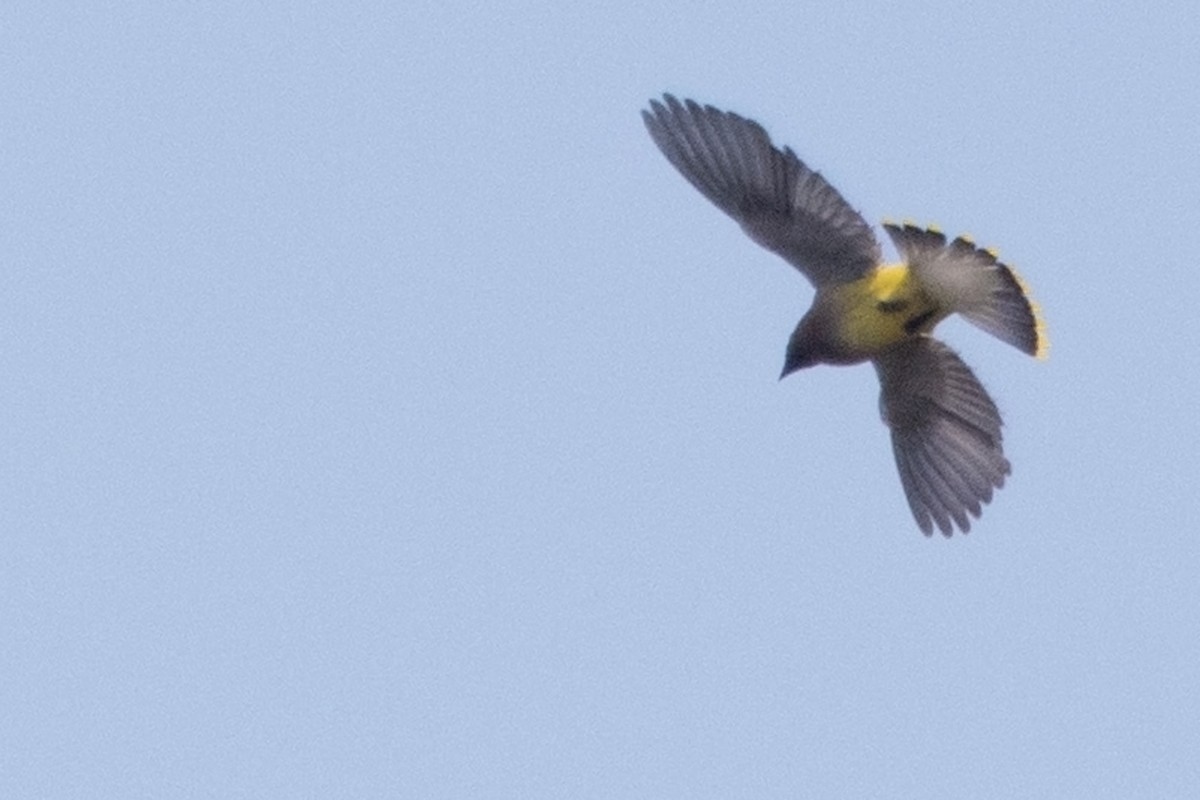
945, 428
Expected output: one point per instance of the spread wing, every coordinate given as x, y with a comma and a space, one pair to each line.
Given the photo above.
781, 203
945, 433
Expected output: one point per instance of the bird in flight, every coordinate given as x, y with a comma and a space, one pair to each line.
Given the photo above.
945, 428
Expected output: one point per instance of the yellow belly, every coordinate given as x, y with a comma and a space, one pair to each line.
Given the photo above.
882, 309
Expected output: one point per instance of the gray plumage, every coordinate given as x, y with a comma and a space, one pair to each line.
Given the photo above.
781, 203
945, 428
945, 433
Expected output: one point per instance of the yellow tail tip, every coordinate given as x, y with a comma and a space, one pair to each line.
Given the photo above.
1041, 350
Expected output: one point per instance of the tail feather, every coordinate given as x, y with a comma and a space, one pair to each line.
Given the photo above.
972, 281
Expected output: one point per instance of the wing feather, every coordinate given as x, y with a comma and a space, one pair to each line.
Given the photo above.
781, 203
946, 433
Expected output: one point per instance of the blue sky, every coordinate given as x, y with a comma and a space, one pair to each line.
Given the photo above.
385, 417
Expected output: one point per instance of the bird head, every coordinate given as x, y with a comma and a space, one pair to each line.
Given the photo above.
804, 347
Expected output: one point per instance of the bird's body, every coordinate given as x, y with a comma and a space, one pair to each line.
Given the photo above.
876, 312
945, 428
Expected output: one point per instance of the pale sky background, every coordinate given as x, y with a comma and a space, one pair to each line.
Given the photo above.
383, 416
